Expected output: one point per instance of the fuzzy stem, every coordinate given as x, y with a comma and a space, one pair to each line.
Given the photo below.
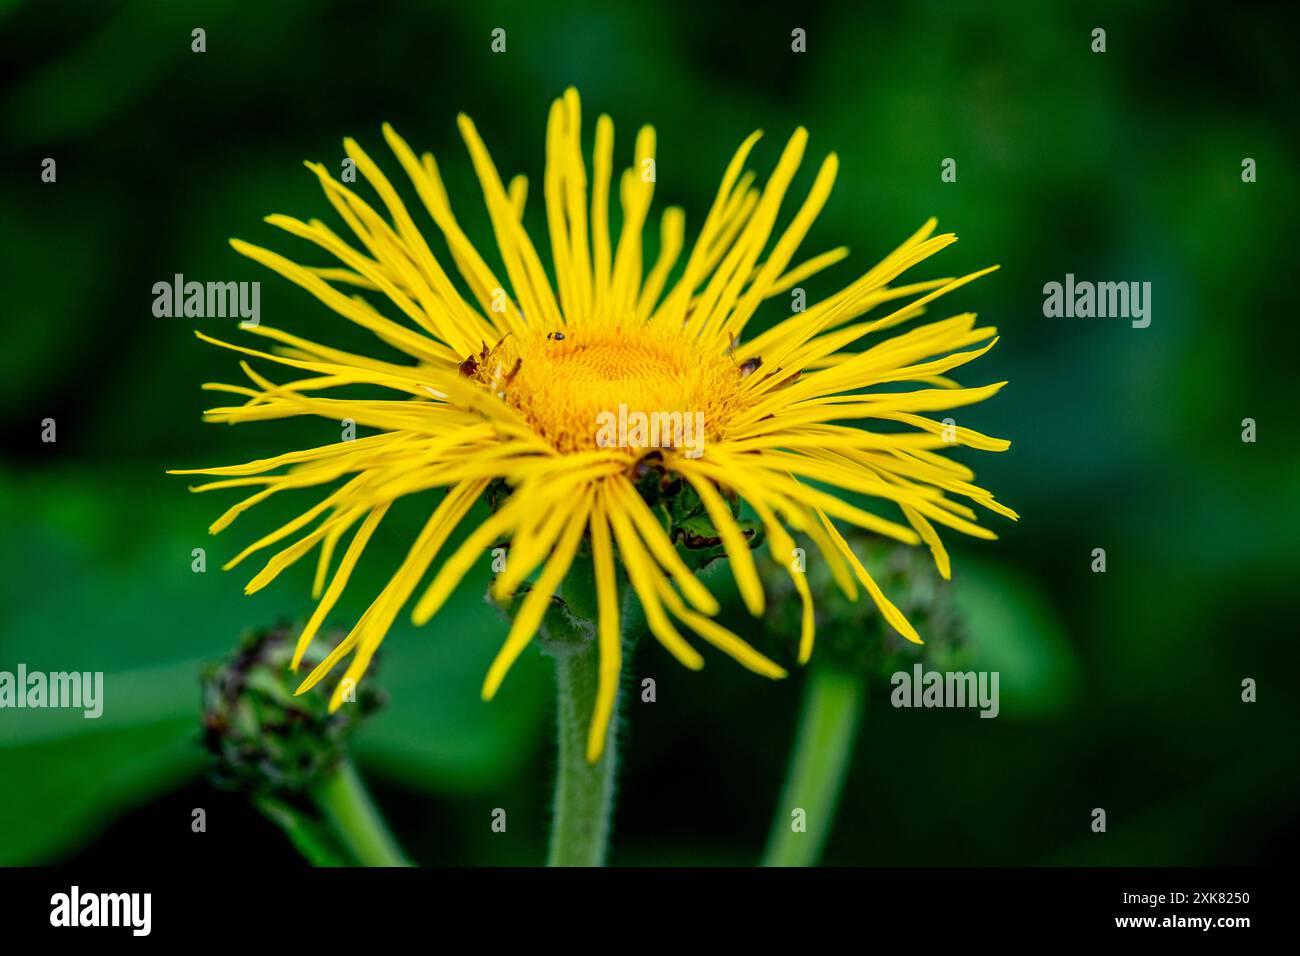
343, 800
584, 792
832, 708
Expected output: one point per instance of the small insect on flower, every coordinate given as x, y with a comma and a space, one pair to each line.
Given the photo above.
786, 414
486, 368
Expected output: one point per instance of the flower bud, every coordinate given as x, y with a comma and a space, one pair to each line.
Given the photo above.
263, 738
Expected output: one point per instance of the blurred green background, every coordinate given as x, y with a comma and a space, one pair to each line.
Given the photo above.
1119, 690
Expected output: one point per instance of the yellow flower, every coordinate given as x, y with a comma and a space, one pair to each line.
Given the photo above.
522, 382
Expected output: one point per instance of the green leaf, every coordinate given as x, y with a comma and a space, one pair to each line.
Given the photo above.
89, 586
1015, 631
58, 793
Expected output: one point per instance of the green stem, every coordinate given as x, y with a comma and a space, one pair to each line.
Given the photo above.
584, 792
343, 800
832, 708
310, 836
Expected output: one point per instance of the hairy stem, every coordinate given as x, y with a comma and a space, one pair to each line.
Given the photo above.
584, 792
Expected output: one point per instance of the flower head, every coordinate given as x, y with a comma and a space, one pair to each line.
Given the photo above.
603, 393
261, 736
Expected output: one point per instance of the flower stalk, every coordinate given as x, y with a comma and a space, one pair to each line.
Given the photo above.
832, 709
342, 799
584, 792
